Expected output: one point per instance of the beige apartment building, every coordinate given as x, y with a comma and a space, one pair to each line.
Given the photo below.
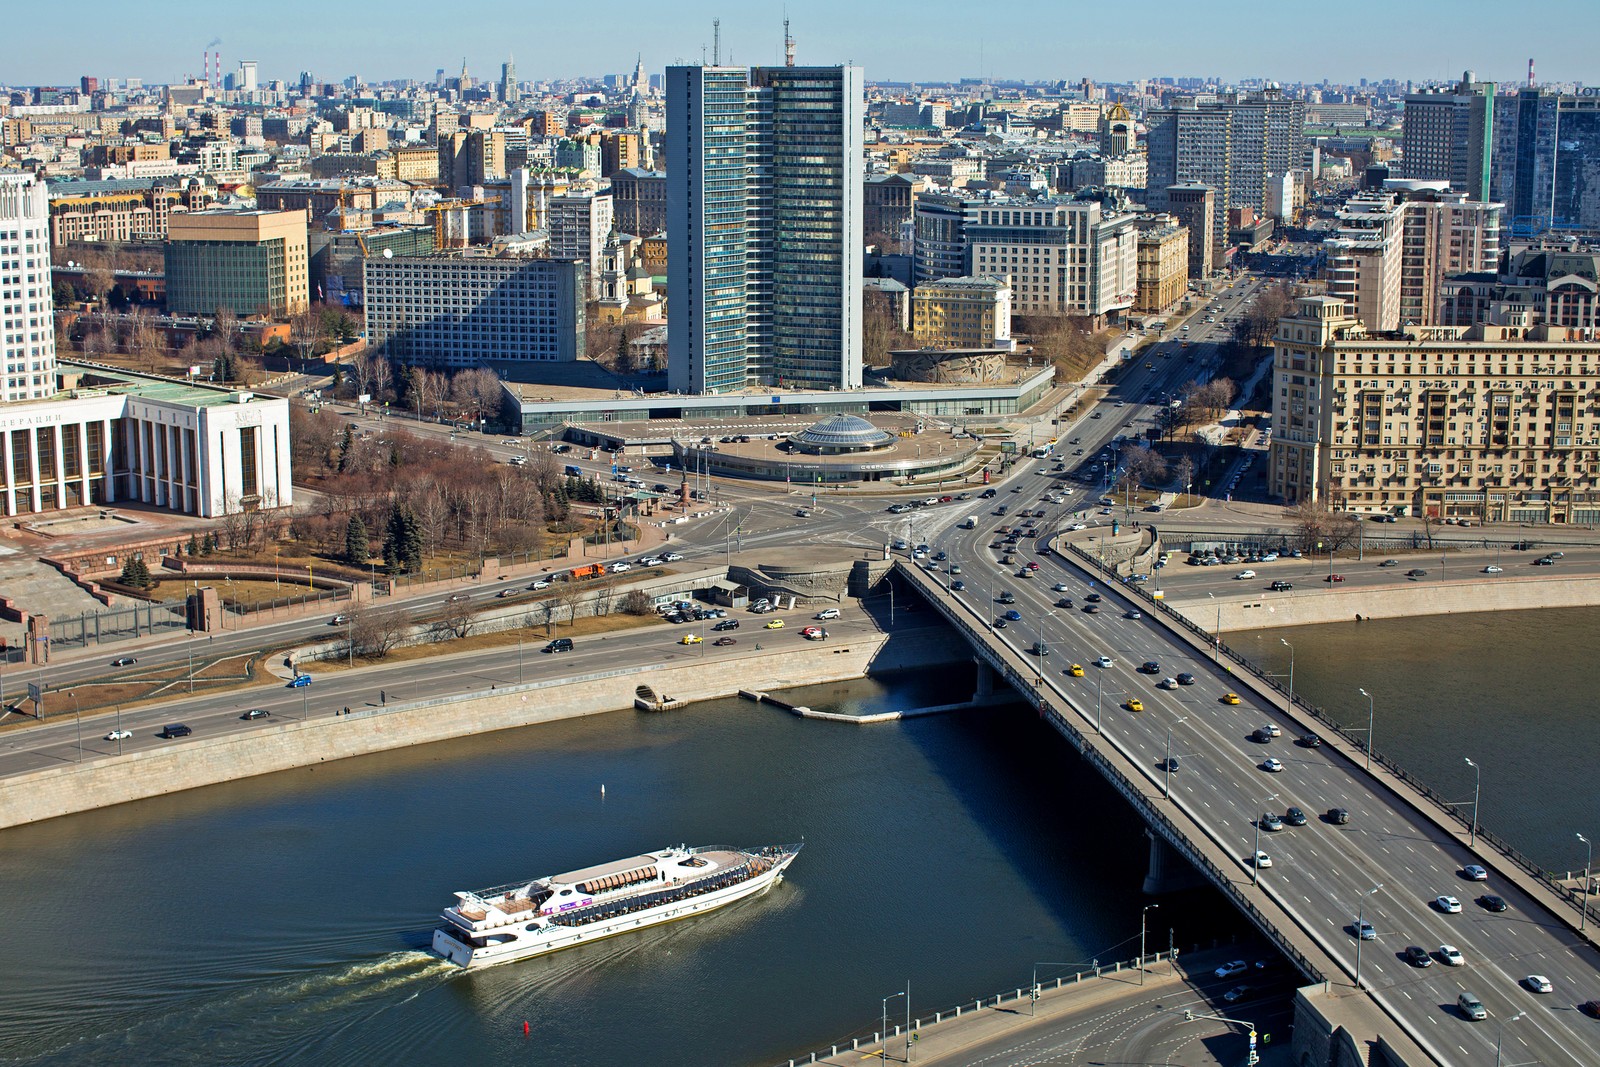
962, 313
1488, 422
1163, 263
252, 262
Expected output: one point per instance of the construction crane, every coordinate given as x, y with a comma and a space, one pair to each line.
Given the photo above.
439, 225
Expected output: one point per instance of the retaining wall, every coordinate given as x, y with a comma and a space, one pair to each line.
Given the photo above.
197, 762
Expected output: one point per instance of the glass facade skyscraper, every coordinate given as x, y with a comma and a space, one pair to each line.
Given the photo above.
764, 227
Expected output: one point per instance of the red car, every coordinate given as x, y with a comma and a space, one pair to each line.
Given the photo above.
1033, 566
1334, 578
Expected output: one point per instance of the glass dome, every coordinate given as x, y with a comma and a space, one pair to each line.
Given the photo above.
841, 433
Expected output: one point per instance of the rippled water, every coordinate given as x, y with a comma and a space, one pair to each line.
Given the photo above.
282, 919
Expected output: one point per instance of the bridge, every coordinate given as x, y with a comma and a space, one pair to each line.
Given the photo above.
1401, 849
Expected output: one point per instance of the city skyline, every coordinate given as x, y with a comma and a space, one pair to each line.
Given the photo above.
1178, 41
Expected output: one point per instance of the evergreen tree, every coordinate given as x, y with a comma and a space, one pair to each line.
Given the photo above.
355, 541
402, 542
346, 443
209, 545
136, 573
194, 545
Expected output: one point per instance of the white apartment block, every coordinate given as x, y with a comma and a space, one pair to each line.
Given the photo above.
27, 316
579, 226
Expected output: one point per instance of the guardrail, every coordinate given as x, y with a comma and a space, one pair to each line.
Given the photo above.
1025, 682
1267, 681
946, 1015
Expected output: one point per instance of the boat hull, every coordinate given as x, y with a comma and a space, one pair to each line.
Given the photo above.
529, 940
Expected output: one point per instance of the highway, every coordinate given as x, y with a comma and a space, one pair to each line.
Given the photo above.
1388, 862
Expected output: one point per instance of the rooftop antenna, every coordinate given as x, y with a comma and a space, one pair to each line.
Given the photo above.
716, 42
788, 45
1530, 72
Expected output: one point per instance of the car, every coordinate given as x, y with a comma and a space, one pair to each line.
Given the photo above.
1093, 598
1447, 904
1416, 572
957, 586
725, 624
1103, 661
1170, 764
1134, 704
1150, 666
1168, 683
1492, 902
1544, 561
1538, 983
1132, 613
690, 639
1243, 575
1338, 816
651, 561
1334, 578
827, 613
723, 642
1262, 860
1271, 822
535, 586
1185, 678
1059, 587
337, 620
1310, 741
1237, 993
1471, 1007
1272, 765
941, 555
1418, 956
1363, 930
1006, 597
1492, 569
813, 633
1012, 616
1472, 872
560, 644
774, 624
1231, 969
299, 681
502, 594
1295, 817
1230, 698
124, 661
1271, 730
174, 729
119, 735
457, 598
1281, 586
672, 557
1076, 670
1032, 566
1091, 609
1390, 563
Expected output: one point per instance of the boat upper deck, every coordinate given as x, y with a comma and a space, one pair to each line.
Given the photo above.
606, 870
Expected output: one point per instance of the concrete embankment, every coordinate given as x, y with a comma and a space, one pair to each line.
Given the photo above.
1427, 596
804, 712
98, 783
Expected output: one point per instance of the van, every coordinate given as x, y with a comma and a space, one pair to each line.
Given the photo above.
572, 470
1471, 1007
560, 644
971, 523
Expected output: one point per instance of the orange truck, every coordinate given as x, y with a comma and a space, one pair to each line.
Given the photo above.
592, 570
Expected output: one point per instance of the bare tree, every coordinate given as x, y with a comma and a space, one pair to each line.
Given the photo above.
226, 325
362, 367
458, 619
1144, 465
145, 342
375, 631
382, 378
571, 597
305, 332
1183, 471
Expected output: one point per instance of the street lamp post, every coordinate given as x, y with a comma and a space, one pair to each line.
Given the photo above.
883, 1049
1477, 786
1361, 913
1583, 890
1290, 647
1034, 988
1501, 1035
1142, 913
1255, 860
119, 729
77, 715
1371, 715
1216, 635
1166, 787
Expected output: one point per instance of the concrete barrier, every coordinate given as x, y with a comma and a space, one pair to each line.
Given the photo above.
108, 780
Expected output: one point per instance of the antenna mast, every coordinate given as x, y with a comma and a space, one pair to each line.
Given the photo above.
716, 42
788, 45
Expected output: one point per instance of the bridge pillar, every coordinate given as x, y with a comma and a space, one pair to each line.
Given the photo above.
1166, 871
985, 684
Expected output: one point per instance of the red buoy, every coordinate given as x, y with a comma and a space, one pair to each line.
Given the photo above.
524, 1028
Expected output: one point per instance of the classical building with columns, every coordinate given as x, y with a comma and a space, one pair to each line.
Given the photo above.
111, 436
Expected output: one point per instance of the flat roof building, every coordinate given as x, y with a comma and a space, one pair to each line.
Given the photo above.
251, 262
27, 321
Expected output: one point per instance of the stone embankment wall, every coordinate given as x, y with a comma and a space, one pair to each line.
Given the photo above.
198, 762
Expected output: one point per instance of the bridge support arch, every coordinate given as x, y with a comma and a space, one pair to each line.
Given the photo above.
1166, 871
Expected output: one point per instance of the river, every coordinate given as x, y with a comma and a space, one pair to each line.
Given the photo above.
281, 919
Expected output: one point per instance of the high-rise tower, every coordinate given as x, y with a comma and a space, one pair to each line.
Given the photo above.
27, 329
764, 227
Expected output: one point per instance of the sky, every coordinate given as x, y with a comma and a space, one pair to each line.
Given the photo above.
894, 40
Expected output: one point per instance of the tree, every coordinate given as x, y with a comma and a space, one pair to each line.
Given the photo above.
1065, 341
136, 574
1144, 464
1260, 320
225, 324
356, 549
402, 544
375, 631
305, 332
880, 329
1183, 471
571, 597
638, 602
458, 619
145, 342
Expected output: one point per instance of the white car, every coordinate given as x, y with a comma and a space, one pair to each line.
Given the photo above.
1452, 956
672, 557
651, 561
1244, 575
1275, 765
1472, 872
620, 566
1231, 969
1168, 683
119, 735
1538, 983
1262, 859
1447, 904
1060, 587
539, 584
1103, 661
1077, 526
1491, 569
827, 613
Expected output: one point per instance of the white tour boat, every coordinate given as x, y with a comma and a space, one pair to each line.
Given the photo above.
547, 914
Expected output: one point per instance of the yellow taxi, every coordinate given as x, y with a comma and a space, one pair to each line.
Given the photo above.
689, 639
1076, 670
775, 624
1135, 704
1230, 698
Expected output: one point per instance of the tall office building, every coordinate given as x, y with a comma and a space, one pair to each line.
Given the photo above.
1234, 144
764, 227
1448, 135
252, 262
510, 91
1546, 164
579, 226
27, 323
